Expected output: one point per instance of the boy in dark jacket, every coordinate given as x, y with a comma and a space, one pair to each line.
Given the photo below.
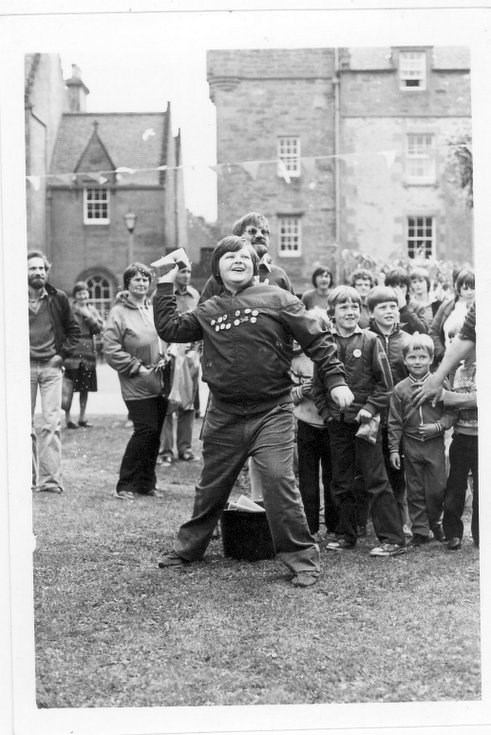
422, 430
248, 333
382, 303
368, 375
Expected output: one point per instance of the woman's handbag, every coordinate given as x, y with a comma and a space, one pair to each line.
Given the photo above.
66, 393
162, 372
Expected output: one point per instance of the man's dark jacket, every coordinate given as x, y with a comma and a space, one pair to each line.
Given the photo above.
65, 327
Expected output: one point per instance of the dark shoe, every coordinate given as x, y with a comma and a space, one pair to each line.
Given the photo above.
164, 459
71, 425
304, 579
438, 533
155, 492
340, 545
187, 456
172, 559
419, 540
454, 544
85, 425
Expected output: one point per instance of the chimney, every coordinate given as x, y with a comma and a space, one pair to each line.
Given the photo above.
76, 91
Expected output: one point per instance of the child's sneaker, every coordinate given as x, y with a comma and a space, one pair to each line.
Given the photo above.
388, 550
340, 545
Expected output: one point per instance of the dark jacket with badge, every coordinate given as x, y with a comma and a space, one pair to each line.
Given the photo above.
367, 373
247, 343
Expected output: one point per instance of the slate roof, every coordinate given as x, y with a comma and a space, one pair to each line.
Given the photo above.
121, 134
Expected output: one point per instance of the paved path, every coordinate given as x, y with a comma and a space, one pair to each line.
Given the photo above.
107, 399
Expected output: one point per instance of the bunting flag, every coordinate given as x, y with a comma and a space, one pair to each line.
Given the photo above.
251, 167
308, 164
390, 157
35, 181
283, 172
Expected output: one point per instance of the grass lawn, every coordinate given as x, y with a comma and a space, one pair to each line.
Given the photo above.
112, 629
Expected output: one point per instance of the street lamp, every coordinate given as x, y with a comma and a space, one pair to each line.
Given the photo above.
130, 222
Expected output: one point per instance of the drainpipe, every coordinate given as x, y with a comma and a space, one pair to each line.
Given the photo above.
337, 192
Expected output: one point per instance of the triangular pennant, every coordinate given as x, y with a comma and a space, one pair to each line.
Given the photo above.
283, 172
390, 157
95, 177
251, 167
35, 181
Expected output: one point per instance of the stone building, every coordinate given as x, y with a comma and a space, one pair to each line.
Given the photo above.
89, 172
344, 150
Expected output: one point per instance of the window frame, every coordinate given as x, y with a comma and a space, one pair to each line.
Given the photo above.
408, 71
428, 155
97, 202
283, 219
411, 241
103, 303
291, 160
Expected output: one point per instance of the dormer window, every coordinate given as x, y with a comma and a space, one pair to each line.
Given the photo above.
412, 70
96, 205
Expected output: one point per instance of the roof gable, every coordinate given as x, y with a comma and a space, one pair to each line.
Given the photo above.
131, 140
95, 156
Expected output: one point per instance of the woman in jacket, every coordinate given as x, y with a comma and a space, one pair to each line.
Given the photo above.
132, 348
80, 368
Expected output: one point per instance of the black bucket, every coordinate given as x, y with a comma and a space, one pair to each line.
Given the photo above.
246, 535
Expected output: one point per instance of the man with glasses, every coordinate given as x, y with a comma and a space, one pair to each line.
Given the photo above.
254, 228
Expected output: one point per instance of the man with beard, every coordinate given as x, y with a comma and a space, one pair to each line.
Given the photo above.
53, 335
254, 228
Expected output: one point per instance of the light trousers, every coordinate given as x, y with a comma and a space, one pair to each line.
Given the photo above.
46, 447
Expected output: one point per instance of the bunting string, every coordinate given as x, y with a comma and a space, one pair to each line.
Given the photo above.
122, 174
